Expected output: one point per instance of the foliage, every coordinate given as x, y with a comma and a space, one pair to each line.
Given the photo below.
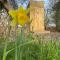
33, 48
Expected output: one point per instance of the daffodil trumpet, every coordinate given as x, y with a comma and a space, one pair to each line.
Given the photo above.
19, 16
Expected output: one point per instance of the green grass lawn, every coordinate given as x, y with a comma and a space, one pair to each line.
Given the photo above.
31, 48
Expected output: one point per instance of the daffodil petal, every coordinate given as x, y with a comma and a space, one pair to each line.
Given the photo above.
27, 11
22, 18
13, 23
22, 10
12, 13
23, 21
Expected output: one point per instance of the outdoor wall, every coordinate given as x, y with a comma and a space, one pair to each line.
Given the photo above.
37, 16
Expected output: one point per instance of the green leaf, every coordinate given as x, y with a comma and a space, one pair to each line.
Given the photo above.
4, 53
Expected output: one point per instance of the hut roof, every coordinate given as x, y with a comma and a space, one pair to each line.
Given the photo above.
38, 3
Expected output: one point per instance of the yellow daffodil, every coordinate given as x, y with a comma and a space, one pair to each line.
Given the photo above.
19, 16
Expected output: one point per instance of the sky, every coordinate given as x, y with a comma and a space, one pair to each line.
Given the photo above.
19, 2
46, 1
24, 4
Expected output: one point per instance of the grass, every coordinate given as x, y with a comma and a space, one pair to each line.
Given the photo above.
30, 48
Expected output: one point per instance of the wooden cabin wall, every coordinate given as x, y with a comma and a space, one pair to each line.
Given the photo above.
37, 17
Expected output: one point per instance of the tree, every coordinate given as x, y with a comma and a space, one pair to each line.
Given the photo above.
57, 15
50, 13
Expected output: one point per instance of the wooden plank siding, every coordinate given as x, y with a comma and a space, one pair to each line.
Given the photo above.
37, 16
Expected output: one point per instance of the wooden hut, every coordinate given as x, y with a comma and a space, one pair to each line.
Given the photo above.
37, 16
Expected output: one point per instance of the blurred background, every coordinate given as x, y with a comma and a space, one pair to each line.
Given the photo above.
51, 13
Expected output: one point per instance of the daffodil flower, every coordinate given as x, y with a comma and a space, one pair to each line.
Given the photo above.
19, 16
